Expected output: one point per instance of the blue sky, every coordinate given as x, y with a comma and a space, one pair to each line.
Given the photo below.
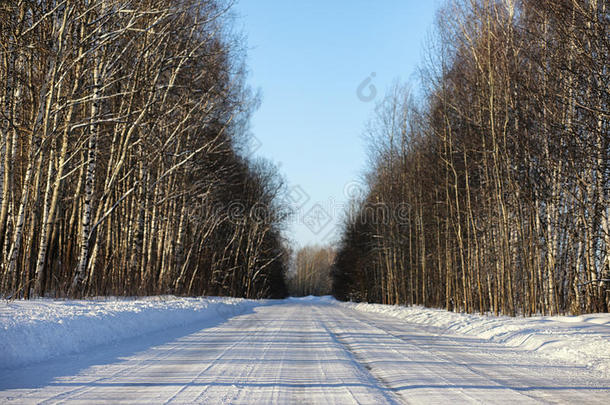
308, 58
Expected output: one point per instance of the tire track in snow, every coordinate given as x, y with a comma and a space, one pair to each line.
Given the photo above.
308, 351
247, 372
91, 385
212, 364
509, 372
387, 391
416, 349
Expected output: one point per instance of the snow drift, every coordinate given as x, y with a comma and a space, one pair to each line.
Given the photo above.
582, 339
37, 330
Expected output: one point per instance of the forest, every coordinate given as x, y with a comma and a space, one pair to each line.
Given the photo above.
124, 154
125, 167
489, 189
312, 266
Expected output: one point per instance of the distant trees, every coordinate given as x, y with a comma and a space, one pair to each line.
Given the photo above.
493, 192
120, 174
312, 266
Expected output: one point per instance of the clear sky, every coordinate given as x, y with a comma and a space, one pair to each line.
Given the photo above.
309, 58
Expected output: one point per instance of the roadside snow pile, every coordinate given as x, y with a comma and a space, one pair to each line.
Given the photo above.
583, 339
37, 330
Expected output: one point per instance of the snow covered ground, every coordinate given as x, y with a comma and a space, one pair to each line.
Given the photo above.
581, 339
37, 330
313, 350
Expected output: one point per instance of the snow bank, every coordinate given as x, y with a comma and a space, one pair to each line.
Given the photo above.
37, 330
583, 339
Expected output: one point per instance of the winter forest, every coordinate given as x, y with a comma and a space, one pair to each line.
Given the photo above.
123, 163
492, 192
125, 167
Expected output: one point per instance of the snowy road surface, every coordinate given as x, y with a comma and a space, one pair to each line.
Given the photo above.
300, 351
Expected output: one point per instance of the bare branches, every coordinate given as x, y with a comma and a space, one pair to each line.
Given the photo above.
506, 175
118, 154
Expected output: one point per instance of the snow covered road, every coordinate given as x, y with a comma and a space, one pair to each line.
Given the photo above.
304, 351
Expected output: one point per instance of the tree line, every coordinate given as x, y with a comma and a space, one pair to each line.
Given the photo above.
122, 144
490, 190
311, 267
